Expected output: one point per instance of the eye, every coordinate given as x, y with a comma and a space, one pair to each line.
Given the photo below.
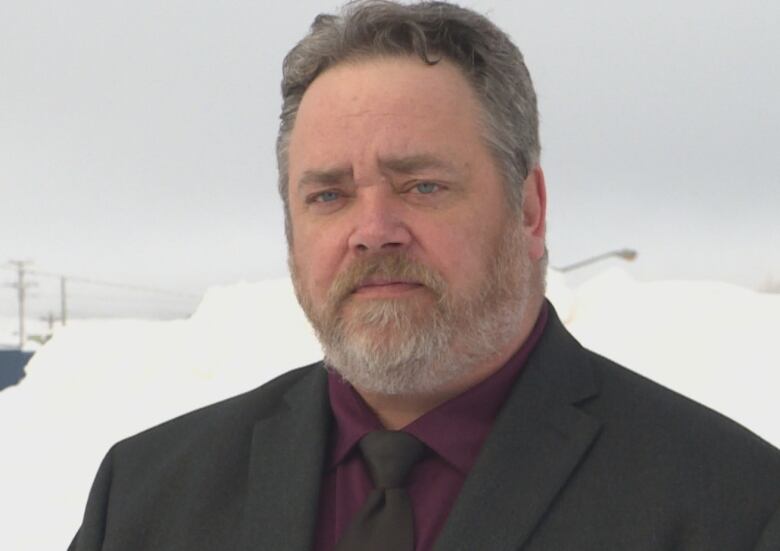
324, 197
426, 188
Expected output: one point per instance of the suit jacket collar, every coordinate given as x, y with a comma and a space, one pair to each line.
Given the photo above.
537, 441
286, 467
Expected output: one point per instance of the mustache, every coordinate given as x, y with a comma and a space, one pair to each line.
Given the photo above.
385, 265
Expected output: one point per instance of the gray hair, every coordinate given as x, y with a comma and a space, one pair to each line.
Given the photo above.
431, 30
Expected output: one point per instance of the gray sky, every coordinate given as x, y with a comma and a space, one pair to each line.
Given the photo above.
136, 138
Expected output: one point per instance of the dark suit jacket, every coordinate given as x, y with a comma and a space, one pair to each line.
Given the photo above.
585, 455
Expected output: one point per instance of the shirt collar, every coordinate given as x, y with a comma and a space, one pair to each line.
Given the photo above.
455, 430
354, 419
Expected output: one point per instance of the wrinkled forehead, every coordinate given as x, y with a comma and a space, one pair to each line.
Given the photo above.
400, 103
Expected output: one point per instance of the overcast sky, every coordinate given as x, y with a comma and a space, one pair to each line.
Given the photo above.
136, 138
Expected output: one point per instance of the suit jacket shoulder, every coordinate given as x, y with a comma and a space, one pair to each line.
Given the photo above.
186, 484
207, 424
674, 423
597, 457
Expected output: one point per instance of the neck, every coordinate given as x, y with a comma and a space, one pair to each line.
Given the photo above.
396, 411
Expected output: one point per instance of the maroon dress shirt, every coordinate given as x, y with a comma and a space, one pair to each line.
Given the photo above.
454, 432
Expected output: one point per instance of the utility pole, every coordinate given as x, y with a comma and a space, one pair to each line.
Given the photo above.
21, 287
63, 301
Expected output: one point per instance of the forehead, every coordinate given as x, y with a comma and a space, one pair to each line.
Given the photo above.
388, 105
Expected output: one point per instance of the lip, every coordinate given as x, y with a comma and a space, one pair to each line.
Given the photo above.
386, 287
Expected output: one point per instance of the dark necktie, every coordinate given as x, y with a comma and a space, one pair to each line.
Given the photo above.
385, 523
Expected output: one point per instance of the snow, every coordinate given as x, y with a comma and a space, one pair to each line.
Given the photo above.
99, 381
9, 333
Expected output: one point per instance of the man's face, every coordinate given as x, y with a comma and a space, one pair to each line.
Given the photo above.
405, 254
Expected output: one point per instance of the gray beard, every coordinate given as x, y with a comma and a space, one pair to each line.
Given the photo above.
408, 346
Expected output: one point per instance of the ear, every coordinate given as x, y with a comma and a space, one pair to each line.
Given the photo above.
535, 213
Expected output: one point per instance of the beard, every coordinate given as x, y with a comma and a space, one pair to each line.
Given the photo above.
416, 344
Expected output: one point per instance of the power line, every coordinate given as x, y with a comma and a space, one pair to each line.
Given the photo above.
22, 271
92, 281
120, 294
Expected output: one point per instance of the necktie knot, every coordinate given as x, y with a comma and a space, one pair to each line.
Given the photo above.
385, 522
390, 456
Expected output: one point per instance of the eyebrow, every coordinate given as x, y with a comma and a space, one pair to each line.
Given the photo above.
416, 163
401, 165
324, 177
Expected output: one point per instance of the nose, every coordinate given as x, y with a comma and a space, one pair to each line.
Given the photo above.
378, 225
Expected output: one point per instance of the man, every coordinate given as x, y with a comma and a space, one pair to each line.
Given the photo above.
415, 213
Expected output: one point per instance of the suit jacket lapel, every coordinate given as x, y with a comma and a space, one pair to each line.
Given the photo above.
537, 441
285, 472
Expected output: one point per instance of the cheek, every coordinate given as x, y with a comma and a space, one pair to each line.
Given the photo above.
453, 252
465, 253
317, 259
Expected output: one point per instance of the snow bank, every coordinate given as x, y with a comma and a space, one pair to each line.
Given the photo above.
98, 381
